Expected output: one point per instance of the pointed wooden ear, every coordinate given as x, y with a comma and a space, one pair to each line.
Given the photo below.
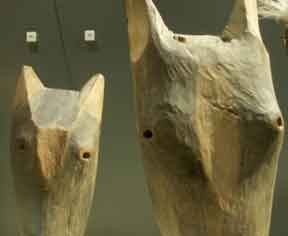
244, 18
92, 97
145, 24
28, 85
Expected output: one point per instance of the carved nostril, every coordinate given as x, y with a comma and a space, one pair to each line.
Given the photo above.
180, 39
148, 134
86, 155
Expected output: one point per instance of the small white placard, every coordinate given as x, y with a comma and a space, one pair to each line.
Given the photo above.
89, 35
31, 37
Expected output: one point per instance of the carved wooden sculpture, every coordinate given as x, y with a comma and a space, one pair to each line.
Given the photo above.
54, 154
276, 10
209, 123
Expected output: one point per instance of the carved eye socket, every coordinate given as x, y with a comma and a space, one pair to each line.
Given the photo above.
21, 144
86, 155
148, 134
280, 122
179, 38
81, 152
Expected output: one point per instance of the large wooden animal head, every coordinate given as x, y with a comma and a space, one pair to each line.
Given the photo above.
209, 123
54, 154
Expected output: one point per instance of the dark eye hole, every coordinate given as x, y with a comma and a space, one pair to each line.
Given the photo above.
280, 122
86, 155
21, 144
148, 134
179, 38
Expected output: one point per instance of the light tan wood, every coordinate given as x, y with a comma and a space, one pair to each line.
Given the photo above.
55, 138
209, 123
274, 9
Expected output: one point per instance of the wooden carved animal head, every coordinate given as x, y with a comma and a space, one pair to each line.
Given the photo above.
209, 123
54, 154
276, 10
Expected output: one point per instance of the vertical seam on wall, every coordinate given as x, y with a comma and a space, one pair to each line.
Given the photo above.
62, 39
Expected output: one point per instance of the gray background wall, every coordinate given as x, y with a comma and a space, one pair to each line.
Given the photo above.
122, 205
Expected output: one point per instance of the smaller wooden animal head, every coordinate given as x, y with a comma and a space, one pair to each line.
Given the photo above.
54, 154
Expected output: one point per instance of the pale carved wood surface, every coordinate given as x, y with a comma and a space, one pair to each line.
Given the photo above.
55, 138
209, 123
274, 9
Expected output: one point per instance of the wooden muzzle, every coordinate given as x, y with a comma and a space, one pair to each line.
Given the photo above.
54, 153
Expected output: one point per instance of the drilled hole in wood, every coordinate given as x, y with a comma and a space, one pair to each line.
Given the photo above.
226, 39
181, 39
280, 122
21, 144
148, 134
86, 155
